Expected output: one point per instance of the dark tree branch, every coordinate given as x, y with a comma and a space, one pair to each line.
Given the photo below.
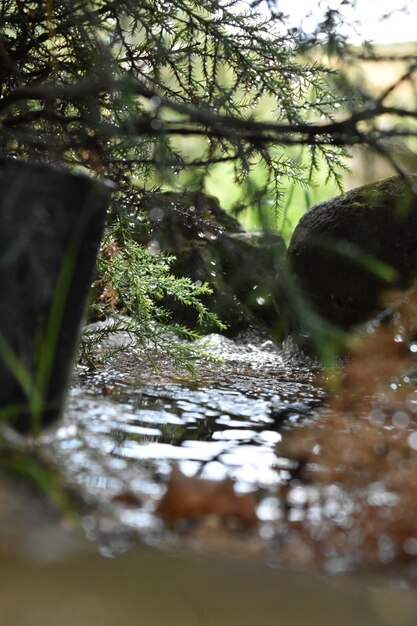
200, 121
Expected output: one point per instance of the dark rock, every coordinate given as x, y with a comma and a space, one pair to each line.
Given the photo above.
211, 246
51, 222
335, 244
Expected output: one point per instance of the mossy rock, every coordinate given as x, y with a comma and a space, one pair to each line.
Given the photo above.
346, 251
211, 246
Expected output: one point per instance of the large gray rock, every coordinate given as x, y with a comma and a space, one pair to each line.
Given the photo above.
335, 244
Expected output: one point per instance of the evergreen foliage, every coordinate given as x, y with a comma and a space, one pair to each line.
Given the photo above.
133, 281
111, 84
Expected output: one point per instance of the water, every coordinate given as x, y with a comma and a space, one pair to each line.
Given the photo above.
318, 483
245, 418
126, 425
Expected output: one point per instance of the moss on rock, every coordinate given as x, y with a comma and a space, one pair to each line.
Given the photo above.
346, 251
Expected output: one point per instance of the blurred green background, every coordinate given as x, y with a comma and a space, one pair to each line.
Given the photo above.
368, 77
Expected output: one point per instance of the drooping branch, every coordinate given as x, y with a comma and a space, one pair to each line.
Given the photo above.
111, 82
202, 121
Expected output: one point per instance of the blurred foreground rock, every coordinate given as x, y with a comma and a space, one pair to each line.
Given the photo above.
51, 222
346, 251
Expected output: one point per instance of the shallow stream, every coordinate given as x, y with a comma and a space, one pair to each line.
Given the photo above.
128, 428
125, 430
126, 425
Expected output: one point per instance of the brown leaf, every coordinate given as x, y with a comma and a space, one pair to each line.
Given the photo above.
196, 498
127, 497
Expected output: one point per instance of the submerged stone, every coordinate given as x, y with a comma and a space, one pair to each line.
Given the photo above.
346, 251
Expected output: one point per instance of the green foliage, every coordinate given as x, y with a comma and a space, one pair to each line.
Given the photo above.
135, 283
158, 93
34, 381
126, 88
141, 91
25, 463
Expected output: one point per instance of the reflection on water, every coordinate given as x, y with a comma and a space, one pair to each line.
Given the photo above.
255, 417
125, 425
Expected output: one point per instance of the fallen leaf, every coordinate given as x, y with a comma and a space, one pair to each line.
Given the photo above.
196, 498
127, 497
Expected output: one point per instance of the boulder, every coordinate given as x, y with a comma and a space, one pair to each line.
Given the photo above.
211, 246
346, 251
